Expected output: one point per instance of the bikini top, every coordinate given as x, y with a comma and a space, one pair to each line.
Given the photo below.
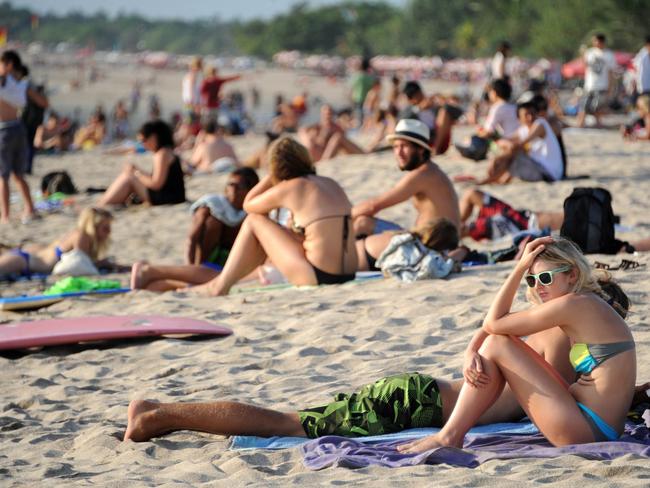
298, 229
587, 357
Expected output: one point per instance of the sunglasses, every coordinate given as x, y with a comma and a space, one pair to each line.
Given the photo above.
545, 277
238, 186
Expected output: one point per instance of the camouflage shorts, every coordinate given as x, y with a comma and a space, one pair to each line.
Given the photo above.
395, 403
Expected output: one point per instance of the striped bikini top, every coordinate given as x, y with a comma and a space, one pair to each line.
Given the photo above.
586, 357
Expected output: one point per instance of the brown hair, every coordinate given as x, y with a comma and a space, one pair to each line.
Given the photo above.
289, 159
439, 235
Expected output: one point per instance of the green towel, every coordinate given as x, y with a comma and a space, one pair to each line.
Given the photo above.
76, 284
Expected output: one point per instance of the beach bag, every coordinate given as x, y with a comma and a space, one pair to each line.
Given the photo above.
58, 182
589, 221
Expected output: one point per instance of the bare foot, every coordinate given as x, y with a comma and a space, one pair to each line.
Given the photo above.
428, 443
209, 289
137, 275
143, 421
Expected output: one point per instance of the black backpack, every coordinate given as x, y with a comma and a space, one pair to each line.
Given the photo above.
589, 221
58, 181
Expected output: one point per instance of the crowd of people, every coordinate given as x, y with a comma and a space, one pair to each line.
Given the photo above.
305, 225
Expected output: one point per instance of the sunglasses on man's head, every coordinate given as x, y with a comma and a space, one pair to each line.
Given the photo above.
545, 277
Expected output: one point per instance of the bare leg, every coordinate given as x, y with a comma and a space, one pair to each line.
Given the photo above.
23, 187
10, 264
580, 120
4, 200
497, 168
642, 245
540, 391
443, 131
258, 238
471, 198
143, 275
149, 419
553, 220
202, 238
122, 188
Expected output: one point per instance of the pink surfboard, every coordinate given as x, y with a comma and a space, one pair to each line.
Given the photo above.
18, 335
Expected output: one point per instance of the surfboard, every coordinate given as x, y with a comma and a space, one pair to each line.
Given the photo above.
50, 332
33, 302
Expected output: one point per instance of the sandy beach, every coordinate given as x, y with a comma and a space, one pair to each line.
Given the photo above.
64, 408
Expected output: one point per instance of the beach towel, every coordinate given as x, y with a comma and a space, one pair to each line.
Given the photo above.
408, 259
478, 449
80, 285
242, 442
220, 209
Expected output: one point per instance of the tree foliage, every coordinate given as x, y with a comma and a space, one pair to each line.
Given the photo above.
467, 28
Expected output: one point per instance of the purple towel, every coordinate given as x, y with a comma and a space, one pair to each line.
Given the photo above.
340, 451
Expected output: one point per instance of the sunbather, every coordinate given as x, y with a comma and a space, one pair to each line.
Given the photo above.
564, 292
391, 404
90, 236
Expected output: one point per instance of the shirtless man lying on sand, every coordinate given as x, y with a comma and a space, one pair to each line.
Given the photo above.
432, 191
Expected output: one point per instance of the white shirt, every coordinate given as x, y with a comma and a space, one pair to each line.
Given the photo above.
545, 151
498, 66
599, 64
642, 66
502, 117
191, 92
14, 92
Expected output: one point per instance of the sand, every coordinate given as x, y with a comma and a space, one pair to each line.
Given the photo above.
64, 408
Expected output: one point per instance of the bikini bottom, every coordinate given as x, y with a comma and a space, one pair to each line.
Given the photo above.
325, 278
601, 429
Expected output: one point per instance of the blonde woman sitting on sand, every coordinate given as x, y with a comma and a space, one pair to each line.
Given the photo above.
565, 295
391, 404
91, 236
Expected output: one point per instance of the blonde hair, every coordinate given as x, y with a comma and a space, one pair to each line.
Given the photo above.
564, 252
439, 235
289, 159
643, 102
89, 219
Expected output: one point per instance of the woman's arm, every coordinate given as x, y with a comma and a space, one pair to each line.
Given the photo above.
500, 308
265, 196
536, 131
157, 179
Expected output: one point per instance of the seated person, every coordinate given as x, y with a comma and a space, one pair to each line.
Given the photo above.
439, 118
217, 218
211, 150
384, 121
91, 236
165, 185
53, 135
423, 401
532, 154
93, 133
432, 193
639, 130
440, 235
501, 121
325, 139
318, 248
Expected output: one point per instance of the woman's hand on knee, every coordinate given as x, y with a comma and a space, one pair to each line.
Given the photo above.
473, 370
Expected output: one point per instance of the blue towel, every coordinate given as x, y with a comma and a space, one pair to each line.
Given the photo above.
240, 442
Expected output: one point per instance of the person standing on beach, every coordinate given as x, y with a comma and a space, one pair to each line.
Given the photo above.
13, 136
211, 92
432, 192
642, 67
191, 88
599, 79
362, 82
